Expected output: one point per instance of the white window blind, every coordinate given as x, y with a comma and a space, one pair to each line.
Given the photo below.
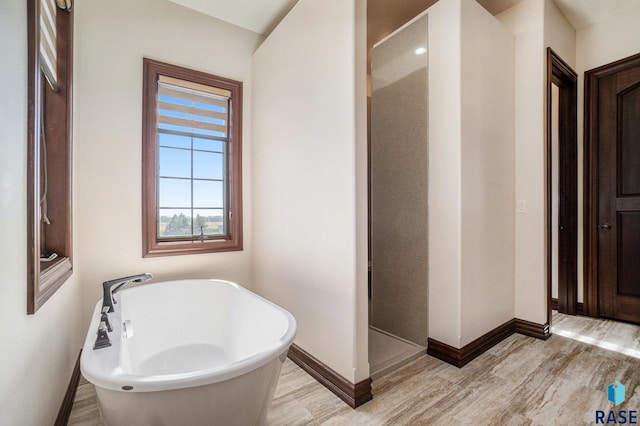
192, 108
48, 55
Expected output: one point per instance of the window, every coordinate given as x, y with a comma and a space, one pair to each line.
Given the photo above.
50, 68
191, 161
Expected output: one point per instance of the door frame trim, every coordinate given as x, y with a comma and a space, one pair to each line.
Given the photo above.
566, 79
590, 143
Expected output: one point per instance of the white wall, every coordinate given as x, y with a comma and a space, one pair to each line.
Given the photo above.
609, 40
361, 329
445, 174
471, 172
309, 176
560, 35
526, 21
536, 25
111, 40
488, 172
38, 351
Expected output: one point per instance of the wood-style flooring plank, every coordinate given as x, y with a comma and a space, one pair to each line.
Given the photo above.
520, 381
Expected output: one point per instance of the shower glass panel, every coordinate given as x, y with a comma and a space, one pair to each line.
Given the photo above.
399, 268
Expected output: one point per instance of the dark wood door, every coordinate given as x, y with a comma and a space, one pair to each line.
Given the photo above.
618, 215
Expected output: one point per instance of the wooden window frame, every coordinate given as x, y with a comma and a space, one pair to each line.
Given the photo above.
152, 245
54, 109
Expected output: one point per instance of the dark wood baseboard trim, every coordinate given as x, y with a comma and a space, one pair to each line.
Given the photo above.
579, 306
462, 356
532, 329
353, 394
444, 352
67, 403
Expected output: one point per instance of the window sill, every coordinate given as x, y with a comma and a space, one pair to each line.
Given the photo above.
159, 249
52, 276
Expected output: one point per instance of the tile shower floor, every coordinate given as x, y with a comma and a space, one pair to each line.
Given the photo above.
388, 352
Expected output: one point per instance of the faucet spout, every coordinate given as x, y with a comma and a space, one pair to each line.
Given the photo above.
109, 288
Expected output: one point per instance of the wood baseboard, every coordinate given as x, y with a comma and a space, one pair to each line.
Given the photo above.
67, 403
353, 394
532, 329
462, 356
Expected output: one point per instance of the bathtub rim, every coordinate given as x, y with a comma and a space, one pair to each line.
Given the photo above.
103, 367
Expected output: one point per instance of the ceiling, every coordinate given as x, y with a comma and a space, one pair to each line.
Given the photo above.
259, 16
384, 16
582, 13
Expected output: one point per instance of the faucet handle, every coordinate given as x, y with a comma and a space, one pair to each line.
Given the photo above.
104, 319
102, 341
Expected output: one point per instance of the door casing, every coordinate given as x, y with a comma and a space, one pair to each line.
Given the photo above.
561, 74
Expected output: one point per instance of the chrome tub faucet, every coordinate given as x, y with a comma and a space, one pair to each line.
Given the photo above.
109, 288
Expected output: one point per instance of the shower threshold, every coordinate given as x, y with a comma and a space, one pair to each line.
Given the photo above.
388, 352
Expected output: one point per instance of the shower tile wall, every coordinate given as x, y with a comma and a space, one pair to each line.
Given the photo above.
399, 184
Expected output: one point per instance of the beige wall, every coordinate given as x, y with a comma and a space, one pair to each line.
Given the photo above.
526, 22
608, 40
309, 253
361, 329
560, 35
536, 25
38, 351
488, 173
471, 172
111, 40
445, 185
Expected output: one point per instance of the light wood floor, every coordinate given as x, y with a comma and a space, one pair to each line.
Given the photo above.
521, 381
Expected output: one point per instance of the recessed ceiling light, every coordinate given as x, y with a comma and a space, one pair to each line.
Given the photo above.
421, 51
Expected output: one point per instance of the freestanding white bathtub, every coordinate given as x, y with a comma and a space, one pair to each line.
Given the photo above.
188, 352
